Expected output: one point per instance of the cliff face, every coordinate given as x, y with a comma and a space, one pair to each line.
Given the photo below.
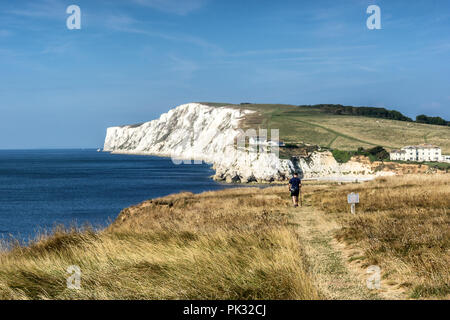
199, 132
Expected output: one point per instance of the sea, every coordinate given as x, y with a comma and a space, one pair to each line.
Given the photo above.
42, 189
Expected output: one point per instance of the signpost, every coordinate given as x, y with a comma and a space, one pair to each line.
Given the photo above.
353, 199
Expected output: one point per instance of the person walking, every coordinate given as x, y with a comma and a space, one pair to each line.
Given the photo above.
295, 185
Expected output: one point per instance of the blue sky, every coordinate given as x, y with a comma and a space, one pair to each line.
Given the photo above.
133, 60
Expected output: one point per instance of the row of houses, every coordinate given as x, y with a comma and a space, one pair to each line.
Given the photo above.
420, 153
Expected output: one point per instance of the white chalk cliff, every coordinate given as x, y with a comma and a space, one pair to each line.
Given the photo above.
199, 132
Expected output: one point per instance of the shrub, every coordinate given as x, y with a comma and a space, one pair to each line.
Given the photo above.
342, 156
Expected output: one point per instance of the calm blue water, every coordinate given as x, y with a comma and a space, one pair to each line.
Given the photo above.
42, 188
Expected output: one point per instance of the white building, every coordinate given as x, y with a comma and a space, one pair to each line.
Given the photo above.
262, 141
420, 153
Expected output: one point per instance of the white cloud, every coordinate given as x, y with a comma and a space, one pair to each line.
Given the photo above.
435, 105
41, 9
56, 48
180, 7
183, 66
129, 28
277, 51
118, 22
368, 69
5, 33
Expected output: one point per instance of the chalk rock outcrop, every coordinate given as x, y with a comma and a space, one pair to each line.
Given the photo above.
195, 132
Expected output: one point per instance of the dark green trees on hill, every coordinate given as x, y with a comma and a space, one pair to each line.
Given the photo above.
377, 113
432, 120
362, 111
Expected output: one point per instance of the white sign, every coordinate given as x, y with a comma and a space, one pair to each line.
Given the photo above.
353, 197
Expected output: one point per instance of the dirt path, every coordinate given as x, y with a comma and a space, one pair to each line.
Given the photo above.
328, 260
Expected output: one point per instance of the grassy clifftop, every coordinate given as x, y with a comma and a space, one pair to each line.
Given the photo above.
232, 244
402, 225
344, 132
251, 244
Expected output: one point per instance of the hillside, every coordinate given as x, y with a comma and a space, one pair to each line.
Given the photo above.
231, 244
344, 132
196, 131
250, 243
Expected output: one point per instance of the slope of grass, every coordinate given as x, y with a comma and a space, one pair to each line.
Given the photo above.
344, 132
249, 244
402, 225
232, 244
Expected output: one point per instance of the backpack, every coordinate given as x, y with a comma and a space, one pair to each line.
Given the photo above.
295, 188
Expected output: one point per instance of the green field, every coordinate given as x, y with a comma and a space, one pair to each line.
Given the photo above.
309, 125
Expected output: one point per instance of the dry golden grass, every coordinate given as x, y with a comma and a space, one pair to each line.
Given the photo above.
232, 244
403, 225
244, 244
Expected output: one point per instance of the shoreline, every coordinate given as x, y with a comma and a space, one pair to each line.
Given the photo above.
337, 179
83, 187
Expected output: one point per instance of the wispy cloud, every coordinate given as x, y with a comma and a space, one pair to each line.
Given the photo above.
179, 7
440, 48
7, 53
299, 50
433, 105
57, 48
130, 25
183, 66
119, 22
40, 9
5, 33
368, 69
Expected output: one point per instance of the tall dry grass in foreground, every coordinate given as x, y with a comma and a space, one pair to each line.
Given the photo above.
403, 225
232, 244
